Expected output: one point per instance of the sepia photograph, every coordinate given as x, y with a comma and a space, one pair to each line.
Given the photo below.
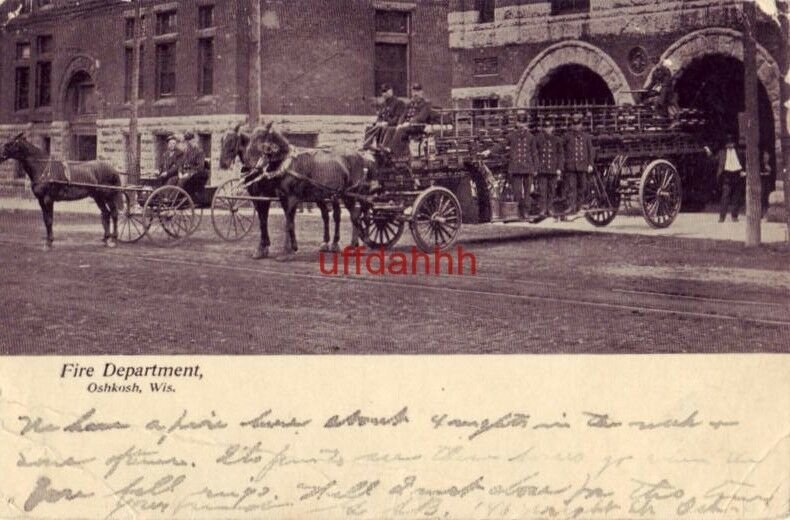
395, 259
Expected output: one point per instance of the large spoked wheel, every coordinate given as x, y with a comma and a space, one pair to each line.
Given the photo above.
660, 193
131, 224
232, 218
169, 215
379, 229
435, 219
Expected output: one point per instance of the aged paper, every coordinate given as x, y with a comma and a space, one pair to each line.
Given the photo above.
515, 437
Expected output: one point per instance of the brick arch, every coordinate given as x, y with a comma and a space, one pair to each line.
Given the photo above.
571, 52
79, 63
729, 42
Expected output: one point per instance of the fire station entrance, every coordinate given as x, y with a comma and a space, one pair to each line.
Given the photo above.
574, 84
714, 83
80, 110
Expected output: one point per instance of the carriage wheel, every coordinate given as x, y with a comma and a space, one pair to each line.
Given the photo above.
232, 218
436, 219
379, 229
131, 224
169, 214
605, 202
660, 193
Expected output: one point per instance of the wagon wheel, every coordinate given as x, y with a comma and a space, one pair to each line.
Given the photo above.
605, 200
436, 219
169, 215
380, 229
232, 218
131, 224
660, 193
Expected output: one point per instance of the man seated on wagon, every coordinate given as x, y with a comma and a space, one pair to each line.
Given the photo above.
171, 161
193, 175
389, 115
416, 116
660, 90
549, 158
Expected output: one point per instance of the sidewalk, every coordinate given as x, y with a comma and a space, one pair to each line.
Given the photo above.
687, 225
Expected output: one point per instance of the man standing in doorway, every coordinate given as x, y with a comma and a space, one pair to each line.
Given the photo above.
730, 175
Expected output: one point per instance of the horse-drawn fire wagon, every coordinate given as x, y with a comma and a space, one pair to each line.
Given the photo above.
641, 160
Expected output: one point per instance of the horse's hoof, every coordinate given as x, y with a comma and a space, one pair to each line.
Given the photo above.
48, 246
324, 248
286, 257
355, 243
261, 252
111, 243
335, 247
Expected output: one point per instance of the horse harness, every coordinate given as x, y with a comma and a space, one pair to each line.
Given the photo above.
47, 175
285, 169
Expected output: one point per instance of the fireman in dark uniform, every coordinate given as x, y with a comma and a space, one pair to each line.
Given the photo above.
522, 158
389, 115
549, 160
171, 161
193, 175
414, 119
579, 162
660, 90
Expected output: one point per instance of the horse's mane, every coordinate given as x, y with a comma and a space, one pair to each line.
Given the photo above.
260, 133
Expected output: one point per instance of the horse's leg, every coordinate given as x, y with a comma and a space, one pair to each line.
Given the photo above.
354, 211
114, 201
325, 218
290, 205
105, 217
293, 204
47, 212
336, 217
262, 209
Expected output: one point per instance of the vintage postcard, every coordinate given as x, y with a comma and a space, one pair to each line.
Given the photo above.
455, 259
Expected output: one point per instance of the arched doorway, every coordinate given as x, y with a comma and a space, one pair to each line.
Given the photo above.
714, 83
80, 109
573, 84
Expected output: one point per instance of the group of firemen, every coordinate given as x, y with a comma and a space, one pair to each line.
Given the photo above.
183, 164
546, 163
396, 121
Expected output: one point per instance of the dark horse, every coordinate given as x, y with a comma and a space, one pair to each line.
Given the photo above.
49, 181
315, 176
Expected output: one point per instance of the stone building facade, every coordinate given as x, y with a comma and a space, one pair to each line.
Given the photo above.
527, 52
65, 76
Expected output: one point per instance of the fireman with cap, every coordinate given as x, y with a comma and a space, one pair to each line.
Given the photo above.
390, 112
579, 164
414, 119
549, 161
171, 161
521, 164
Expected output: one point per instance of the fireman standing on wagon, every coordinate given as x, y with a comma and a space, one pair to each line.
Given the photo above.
579, 161
550, 158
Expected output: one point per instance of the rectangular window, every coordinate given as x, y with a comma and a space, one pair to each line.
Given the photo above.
166, 22
128, 31
44, 44
206, 66
570, 6
44, 3
485, 10
485, 102
43, 84
392, 66
487, 66
22, 51
205, 16
22, 88
46, 144
165, 69
129, 65
392, 21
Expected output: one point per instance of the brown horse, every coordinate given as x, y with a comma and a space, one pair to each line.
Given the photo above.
311, 176
49, 180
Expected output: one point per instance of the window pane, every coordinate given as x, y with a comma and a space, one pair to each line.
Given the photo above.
486, 10
23, 51
391, 66
206, 66
44, 74
206, 16
44, 44
129, 29
569, 6
165, 62
166, 22
22, 88
392, 21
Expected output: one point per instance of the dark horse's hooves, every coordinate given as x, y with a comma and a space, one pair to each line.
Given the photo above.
261, 252
335, 247
47, 246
